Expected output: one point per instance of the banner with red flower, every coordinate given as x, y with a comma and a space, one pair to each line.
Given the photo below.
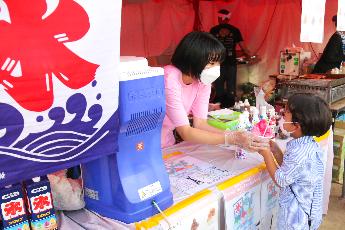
58, 84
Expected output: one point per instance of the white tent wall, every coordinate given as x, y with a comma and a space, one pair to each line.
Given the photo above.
153, 28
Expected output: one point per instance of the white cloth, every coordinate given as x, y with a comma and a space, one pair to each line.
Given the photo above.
341, 15
312, 20
328, 148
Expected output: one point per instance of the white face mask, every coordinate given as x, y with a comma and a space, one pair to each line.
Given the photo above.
281, 123
209, 75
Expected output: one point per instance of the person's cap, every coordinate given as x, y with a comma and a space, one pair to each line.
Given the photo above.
224, 14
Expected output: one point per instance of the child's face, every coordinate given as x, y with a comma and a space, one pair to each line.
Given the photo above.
290, 127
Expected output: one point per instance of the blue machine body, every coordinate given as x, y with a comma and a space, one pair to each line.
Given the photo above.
123, 186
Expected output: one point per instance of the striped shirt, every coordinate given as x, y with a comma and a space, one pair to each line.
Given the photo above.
301, 179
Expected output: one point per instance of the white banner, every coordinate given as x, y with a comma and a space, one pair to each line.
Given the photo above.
341, 16
312, 21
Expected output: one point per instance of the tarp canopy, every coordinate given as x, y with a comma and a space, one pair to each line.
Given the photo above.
154, 27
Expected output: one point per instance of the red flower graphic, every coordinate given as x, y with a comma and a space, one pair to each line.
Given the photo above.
41, 202
32, 51
12, 208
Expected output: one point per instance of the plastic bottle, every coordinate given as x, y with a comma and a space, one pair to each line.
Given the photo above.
246, 104
255, 118
263, 113
241, 104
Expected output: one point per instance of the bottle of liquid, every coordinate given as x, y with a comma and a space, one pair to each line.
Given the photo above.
263, 113
273, 120
255, 118
248, 124
237, 106
246, 104
241, 104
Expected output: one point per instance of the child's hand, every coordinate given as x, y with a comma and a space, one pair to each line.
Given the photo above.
264, 152
257, 143
275, 148
249, 141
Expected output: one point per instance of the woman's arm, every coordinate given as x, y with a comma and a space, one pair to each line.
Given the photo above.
200, 136
202, 124
240, 138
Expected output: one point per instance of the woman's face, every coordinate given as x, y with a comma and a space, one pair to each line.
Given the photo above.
210, 73
212, 64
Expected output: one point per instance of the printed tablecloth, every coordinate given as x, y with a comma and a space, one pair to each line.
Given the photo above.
195, 172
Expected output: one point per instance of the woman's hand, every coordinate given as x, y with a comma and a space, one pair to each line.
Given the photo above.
258, 143
248, 141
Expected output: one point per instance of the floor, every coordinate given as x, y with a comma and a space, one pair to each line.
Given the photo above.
335, 218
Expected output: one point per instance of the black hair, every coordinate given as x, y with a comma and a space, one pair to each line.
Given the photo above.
334, 19
195, 51
224, 11
311, 112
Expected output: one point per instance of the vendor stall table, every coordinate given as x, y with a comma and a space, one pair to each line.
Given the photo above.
212, 189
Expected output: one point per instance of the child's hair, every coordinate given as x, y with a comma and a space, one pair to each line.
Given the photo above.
195, 51
311, 113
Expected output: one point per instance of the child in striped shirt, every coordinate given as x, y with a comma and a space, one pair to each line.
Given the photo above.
301, 168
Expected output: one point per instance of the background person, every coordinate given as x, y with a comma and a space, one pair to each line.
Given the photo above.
334, 52
229, 36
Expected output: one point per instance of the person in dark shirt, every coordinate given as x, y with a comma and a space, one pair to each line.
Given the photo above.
334, 52
229, 36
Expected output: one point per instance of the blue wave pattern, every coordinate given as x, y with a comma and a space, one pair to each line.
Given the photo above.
59, 147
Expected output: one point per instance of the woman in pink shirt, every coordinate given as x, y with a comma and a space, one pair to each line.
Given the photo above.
195, 64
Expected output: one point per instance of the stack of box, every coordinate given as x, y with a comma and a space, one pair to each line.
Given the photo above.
339, 152
27, 206
13, 212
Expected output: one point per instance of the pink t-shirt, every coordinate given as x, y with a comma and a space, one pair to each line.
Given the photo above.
181, 100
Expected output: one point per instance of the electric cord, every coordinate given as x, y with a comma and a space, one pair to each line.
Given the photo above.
162, 213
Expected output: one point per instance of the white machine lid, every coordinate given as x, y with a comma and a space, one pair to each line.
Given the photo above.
131, 63
132, 68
